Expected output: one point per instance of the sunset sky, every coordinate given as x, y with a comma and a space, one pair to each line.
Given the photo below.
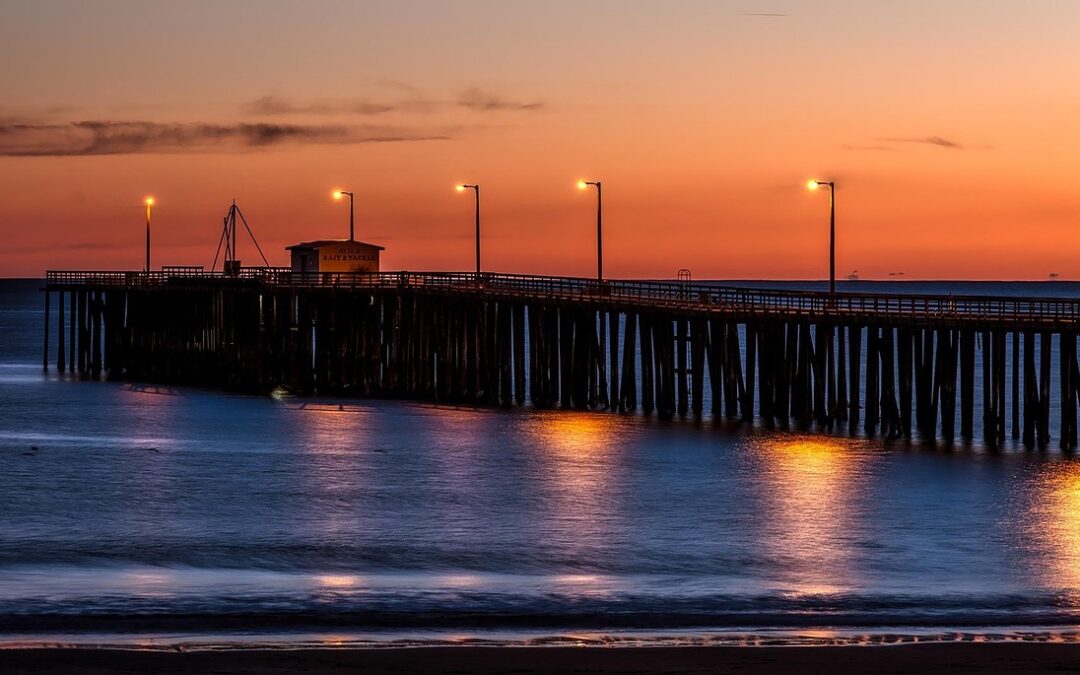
951, 128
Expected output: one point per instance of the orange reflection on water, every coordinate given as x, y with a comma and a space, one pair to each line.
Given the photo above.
578, 481
337, 580
812, 484
577, 449
334, 440
1052, 522
573, 435
330, 428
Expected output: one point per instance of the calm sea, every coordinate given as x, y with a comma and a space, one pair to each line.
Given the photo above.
151, 515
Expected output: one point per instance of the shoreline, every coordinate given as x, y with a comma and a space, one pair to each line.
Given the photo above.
344, 638
937, 657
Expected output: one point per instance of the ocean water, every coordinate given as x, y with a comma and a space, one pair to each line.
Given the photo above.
151, 515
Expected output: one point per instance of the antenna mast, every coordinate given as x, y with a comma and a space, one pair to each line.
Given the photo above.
231, 264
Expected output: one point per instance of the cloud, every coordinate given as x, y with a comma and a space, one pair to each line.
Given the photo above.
412, 101
274, 105
124, 137
926, 140
485, 101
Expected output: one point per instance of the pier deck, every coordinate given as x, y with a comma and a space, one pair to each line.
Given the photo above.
785, 359
710, 298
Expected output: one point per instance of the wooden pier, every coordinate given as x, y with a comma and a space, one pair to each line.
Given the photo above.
889, 365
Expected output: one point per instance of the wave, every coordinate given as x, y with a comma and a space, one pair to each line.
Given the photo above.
283, 640
157, 609
81, 439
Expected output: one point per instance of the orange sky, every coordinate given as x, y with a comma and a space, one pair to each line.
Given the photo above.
951, 128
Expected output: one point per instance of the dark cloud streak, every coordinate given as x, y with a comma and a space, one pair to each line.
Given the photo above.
926, 140
485, 101
130, 137
473, 99
274, 105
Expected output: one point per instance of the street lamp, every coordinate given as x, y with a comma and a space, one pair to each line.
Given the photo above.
476, 190
582, 185
338, 194
149, 201
814, 184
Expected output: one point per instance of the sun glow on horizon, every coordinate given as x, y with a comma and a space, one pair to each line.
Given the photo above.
693, 169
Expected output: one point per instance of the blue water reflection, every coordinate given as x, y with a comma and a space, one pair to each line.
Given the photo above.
175, 503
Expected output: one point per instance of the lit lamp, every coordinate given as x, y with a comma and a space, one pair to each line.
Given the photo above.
582, 185
476, 191
338, 194
149, 201
814, 184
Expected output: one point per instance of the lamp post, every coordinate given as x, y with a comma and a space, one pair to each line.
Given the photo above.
476, 191
814, 184
149, 201
582, 185
338, 195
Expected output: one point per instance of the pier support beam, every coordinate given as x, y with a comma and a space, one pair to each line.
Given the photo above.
45, 346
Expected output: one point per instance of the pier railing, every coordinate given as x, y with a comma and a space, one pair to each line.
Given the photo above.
697, 297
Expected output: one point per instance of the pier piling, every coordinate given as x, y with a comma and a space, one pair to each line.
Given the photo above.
780, 359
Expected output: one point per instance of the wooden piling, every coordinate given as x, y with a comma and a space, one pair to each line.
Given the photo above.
698, 335
518, 310
1043, 425
854, 368
841, 411
628, 398
905, 346
989, 422
1031, 391
1015, 385
614, 397
967, 384
890, 411
61, 357
647, 387
715, 348
681, 342
45, 346
751, 368
873, 395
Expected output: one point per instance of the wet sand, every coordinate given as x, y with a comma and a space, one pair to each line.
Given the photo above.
925, 658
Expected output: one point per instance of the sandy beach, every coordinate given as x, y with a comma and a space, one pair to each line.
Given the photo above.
935, 658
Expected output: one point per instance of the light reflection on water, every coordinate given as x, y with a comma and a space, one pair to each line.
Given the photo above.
813, 491
1047, 524
577, 464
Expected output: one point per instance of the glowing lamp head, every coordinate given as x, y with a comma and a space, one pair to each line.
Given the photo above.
812, 184
581, 185
459, 188
338, 194
149, 201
